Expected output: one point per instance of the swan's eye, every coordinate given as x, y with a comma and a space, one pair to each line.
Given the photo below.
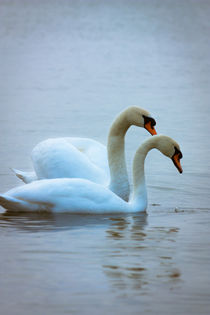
178, 153
176, 159
149, 124
149, 120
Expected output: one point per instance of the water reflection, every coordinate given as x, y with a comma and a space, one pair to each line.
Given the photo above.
133, 254
45, 221
139, 256
125, 237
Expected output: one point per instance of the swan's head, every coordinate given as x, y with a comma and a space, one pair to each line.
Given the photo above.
141, 118
170, 148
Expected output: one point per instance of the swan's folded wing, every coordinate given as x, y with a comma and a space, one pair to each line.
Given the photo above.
11, 203
14, 204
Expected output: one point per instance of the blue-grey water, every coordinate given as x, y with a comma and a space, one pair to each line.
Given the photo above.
67, 68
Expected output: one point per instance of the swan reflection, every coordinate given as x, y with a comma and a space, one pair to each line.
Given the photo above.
125, 237
46, 221
139, 255
131, 252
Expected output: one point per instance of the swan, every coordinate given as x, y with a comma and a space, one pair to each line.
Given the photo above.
77, 195
87, 158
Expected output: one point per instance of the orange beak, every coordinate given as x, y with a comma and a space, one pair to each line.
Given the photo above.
150, 128
176, 160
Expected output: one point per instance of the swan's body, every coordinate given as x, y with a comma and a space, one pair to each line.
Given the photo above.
87, 158
59, 158
83, 196
74, 195
55, 158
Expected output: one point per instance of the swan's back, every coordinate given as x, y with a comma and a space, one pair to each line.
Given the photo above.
57, 158
94, 150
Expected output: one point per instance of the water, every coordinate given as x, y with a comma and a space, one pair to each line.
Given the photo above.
68, 68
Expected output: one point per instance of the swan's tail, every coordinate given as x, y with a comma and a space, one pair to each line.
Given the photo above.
15, 204
11, 203
26, 177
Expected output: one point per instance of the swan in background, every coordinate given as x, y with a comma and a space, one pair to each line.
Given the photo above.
87, 158
78, 195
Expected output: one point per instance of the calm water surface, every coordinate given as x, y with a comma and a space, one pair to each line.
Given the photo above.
67, 69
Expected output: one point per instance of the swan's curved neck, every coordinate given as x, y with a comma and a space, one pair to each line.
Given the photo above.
119, 182
139, 195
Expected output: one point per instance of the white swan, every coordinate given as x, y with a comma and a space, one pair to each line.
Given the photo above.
83, 196
87, 158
